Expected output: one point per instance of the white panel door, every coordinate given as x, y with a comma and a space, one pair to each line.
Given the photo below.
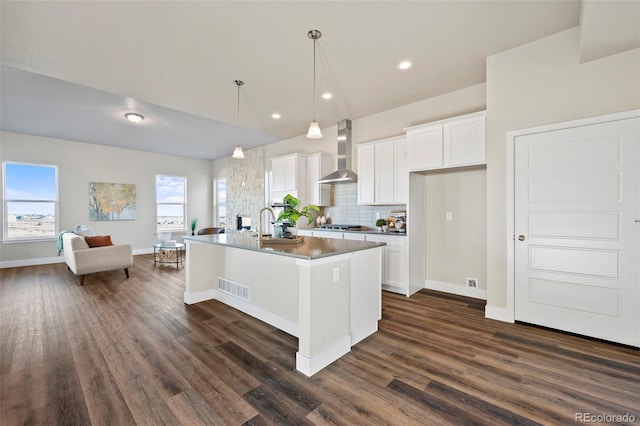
576, 230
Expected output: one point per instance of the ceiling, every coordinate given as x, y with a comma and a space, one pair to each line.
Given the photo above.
71, 70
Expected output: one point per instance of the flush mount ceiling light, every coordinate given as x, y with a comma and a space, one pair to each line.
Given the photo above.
276, 116
134, 117
314, 129
237, 153
404, 65
327, 95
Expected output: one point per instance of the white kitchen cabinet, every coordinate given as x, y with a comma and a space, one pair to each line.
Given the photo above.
288, 171
401, 163
454, 142
395, 262
382, 166
289, 176
384, 178
395, 256
305, 232
318, 166
353, 236
329, 234
366, 173
464, 141
425, 147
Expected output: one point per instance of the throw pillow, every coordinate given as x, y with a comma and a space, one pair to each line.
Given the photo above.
98, 240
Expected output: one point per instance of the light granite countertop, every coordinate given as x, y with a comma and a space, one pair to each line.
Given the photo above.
308, 248
364, 231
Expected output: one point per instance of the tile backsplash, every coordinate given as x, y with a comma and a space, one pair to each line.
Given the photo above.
345, 210
245, 187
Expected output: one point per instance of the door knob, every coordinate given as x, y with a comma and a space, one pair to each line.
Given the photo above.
521, 237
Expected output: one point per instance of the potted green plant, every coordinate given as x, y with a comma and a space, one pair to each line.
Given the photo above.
291, 214
382, 224
194, 223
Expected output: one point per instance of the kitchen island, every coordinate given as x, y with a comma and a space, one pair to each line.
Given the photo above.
325, 292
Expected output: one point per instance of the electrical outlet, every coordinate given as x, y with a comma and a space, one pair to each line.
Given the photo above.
378, 215
472, 282
449, 216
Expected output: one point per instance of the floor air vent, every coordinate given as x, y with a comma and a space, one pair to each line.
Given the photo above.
234, 289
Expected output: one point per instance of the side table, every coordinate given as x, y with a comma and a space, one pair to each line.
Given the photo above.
164, 253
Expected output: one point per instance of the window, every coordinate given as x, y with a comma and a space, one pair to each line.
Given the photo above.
221, 202
171, 202
30, 201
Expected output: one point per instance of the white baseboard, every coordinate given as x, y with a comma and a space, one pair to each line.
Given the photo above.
356, 338
394, 289
50, 260
499, 314
460, 290
280, 323
143, 251
311, 365
31, 262
191, 298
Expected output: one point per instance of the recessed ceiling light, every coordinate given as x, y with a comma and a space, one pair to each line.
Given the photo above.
327, 95
134, 117
404, 65
276, 116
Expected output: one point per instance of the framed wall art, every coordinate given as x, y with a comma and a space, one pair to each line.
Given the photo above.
112, 201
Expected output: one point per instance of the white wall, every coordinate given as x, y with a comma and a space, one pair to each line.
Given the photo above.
456, 249
81, 163
542, 83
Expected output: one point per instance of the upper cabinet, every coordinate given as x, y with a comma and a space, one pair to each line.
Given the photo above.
384, 178
298, 175
289, 176
425, 147
285, 171
318, 166
464, 141
454, 142
366, 173
401, 170
382, 166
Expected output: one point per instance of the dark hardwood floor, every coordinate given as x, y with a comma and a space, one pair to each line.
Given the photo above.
119, 352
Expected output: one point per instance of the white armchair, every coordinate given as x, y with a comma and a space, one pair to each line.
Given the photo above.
82, 259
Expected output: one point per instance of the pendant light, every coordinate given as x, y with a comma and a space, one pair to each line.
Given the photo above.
314, 129
237, 153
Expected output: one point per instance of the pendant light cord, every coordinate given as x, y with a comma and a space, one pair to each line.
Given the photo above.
238, 83
314, 79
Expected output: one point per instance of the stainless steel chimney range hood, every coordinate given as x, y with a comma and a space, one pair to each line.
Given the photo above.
344, 174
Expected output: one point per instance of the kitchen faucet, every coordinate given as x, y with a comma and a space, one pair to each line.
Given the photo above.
273, 215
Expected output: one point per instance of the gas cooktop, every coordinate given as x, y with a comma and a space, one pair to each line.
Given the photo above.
341, 227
